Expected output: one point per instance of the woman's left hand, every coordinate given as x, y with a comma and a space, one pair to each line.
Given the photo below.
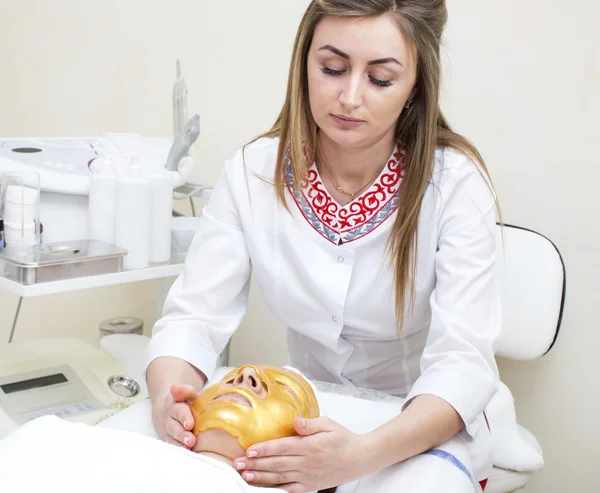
324, 455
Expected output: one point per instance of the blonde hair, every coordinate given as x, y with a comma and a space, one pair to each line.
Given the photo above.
421, 127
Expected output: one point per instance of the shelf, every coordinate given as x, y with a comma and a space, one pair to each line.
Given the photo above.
171, 269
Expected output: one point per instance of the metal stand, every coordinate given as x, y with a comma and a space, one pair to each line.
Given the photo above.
189, 190
14, 325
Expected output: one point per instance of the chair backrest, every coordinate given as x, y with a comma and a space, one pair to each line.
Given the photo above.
532, 278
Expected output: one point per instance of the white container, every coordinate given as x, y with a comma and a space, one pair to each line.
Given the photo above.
132, 230
121, 325
161, 213
102, 207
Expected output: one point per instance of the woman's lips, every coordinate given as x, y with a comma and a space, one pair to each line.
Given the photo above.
347, 122
234, 396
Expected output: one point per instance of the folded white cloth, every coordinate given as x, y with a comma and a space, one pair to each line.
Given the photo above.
512, 450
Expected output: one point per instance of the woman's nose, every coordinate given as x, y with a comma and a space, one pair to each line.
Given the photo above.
351, 96
248, 377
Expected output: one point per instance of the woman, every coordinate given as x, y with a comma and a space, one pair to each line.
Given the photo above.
370, 228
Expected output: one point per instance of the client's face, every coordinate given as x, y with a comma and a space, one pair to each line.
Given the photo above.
251, 405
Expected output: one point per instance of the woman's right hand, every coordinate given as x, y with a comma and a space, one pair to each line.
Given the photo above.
172, 418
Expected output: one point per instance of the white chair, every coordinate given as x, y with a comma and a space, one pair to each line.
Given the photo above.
532, 277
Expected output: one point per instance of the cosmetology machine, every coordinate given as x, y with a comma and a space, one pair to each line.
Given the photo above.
65, 377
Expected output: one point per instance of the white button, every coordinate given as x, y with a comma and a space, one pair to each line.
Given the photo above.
334, 318
340, 259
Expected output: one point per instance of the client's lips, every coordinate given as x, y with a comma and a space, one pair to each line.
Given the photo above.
234, 396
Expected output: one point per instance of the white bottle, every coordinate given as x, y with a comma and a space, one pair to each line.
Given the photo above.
161, 212
133, 204
102, 202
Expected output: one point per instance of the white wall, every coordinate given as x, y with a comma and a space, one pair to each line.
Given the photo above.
521, 82
79, 68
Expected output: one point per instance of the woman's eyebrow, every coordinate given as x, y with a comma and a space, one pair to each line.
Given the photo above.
333, 49
378, 61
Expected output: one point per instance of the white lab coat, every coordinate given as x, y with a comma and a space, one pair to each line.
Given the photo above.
337, 300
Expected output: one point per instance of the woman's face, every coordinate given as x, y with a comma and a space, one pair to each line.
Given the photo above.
250, 405
361, 73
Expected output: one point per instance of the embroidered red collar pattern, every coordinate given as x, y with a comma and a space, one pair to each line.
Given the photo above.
357, 218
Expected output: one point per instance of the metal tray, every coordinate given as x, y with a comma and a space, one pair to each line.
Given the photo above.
59, 261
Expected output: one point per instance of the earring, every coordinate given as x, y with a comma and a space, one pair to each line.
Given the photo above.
408, 104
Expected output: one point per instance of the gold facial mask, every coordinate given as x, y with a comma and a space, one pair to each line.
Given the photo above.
249, 417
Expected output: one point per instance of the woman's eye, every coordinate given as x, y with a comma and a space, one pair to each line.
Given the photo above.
290, 391
377, 82
382, 83
331, 71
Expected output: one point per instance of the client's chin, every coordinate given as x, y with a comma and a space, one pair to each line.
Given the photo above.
219, 444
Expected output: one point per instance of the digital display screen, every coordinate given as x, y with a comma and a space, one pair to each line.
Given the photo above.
33, 383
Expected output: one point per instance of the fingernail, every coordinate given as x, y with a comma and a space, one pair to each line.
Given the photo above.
186, 440
249, 477
240, 466
185, 424
252, 453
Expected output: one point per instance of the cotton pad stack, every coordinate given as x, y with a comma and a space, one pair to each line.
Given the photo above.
20, 215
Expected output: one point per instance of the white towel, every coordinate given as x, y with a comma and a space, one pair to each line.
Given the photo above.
55, 456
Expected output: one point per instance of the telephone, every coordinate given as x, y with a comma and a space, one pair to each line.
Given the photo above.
65, 377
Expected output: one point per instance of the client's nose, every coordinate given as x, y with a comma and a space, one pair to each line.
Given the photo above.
248, 377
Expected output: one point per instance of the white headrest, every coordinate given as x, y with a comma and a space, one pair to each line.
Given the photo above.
532, 283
